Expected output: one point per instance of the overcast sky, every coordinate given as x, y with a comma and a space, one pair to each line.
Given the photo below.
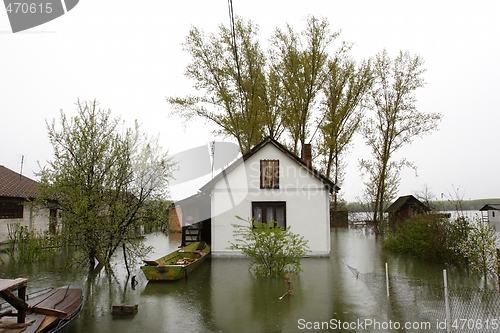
128, 56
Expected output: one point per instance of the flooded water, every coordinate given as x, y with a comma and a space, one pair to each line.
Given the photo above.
223, 296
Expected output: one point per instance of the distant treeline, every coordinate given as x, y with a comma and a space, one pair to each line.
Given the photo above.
444, 205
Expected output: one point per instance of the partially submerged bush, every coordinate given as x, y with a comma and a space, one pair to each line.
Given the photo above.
423, 237
469, 242
274, 251
28, 246
478, 247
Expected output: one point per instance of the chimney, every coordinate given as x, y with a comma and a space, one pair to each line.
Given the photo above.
307, 154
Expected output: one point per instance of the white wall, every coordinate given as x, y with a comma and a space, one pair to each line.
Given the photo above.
307, 205
34, 219
496, 217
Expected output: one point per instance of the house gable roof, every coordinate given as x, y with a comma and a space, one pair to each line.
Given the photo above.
331, 186
490, 207
401, 201
15, 185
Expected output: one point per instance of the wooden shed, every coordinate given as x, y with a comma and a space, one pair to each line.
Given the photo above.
405, 207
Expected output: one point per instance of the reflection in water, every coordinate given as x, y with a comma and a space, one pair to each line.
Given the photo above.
223, 296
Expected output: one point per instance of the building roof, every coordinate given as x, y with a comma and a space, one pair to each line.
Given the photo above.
490, 207
401, 201
331, 186
194, 199
15, 185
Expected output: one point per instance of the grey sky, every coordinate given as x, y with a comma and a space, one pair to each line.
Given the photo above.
128, 56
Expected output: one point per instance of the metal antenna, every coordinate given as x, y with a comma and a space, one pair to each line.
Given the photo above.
212, 144
22, 163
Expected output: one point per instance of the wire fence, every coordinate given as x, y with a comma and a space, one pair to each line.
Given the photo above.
446, 309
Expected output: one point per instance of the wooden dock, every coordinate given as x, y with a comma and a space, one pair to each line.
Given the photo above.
44, 312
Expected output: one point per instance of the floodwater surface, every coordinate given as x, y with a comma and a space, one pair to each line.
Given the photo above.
222, 295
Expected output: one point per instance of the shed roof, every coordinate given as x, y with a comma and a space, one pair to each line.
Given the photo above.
401, 201
490, 207
15, 185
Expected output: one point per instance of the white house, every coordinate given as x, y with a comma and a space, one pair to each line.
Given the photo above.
268, 183
491, 213
16, 191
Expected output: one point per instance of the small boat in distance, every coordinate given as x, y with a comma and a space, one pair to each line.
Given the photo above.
51, 310
178, 264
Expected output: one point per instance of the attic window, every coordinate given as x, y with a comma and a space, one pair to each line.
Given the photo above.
269, 174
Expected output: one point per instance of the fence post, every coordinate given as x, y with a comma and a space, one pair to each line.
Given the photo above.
387, 278
498, 268
447, 302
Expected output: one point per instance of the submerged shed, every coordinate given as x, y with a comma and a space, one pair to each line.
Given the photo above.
491, 213
405, 207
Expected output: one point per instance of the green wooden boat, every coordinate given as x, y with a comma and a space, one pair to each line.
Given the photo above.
178, 264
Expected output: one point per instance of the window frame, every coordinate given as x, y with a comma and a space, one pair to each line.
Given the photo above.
270, 168
10, 209
264, 206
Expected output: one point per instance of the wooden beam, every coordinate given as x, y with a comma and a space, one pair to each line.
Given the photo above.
21, 312
15, 325
13, 284
13, 300
48, 311
7, 312
18, 303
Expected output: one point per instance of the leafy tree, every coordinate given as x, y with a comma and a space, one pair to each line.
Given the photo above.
102, 176
156, 215
249, 95
299, 60
345, 89
396, 123
230, 68
274, 251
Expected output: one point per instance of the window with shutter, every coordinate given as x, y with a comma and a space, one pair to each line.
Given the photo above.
269, 174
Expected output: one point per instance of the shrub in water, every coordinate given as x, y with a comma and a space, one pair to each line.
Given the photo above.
422, 236
274, 251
